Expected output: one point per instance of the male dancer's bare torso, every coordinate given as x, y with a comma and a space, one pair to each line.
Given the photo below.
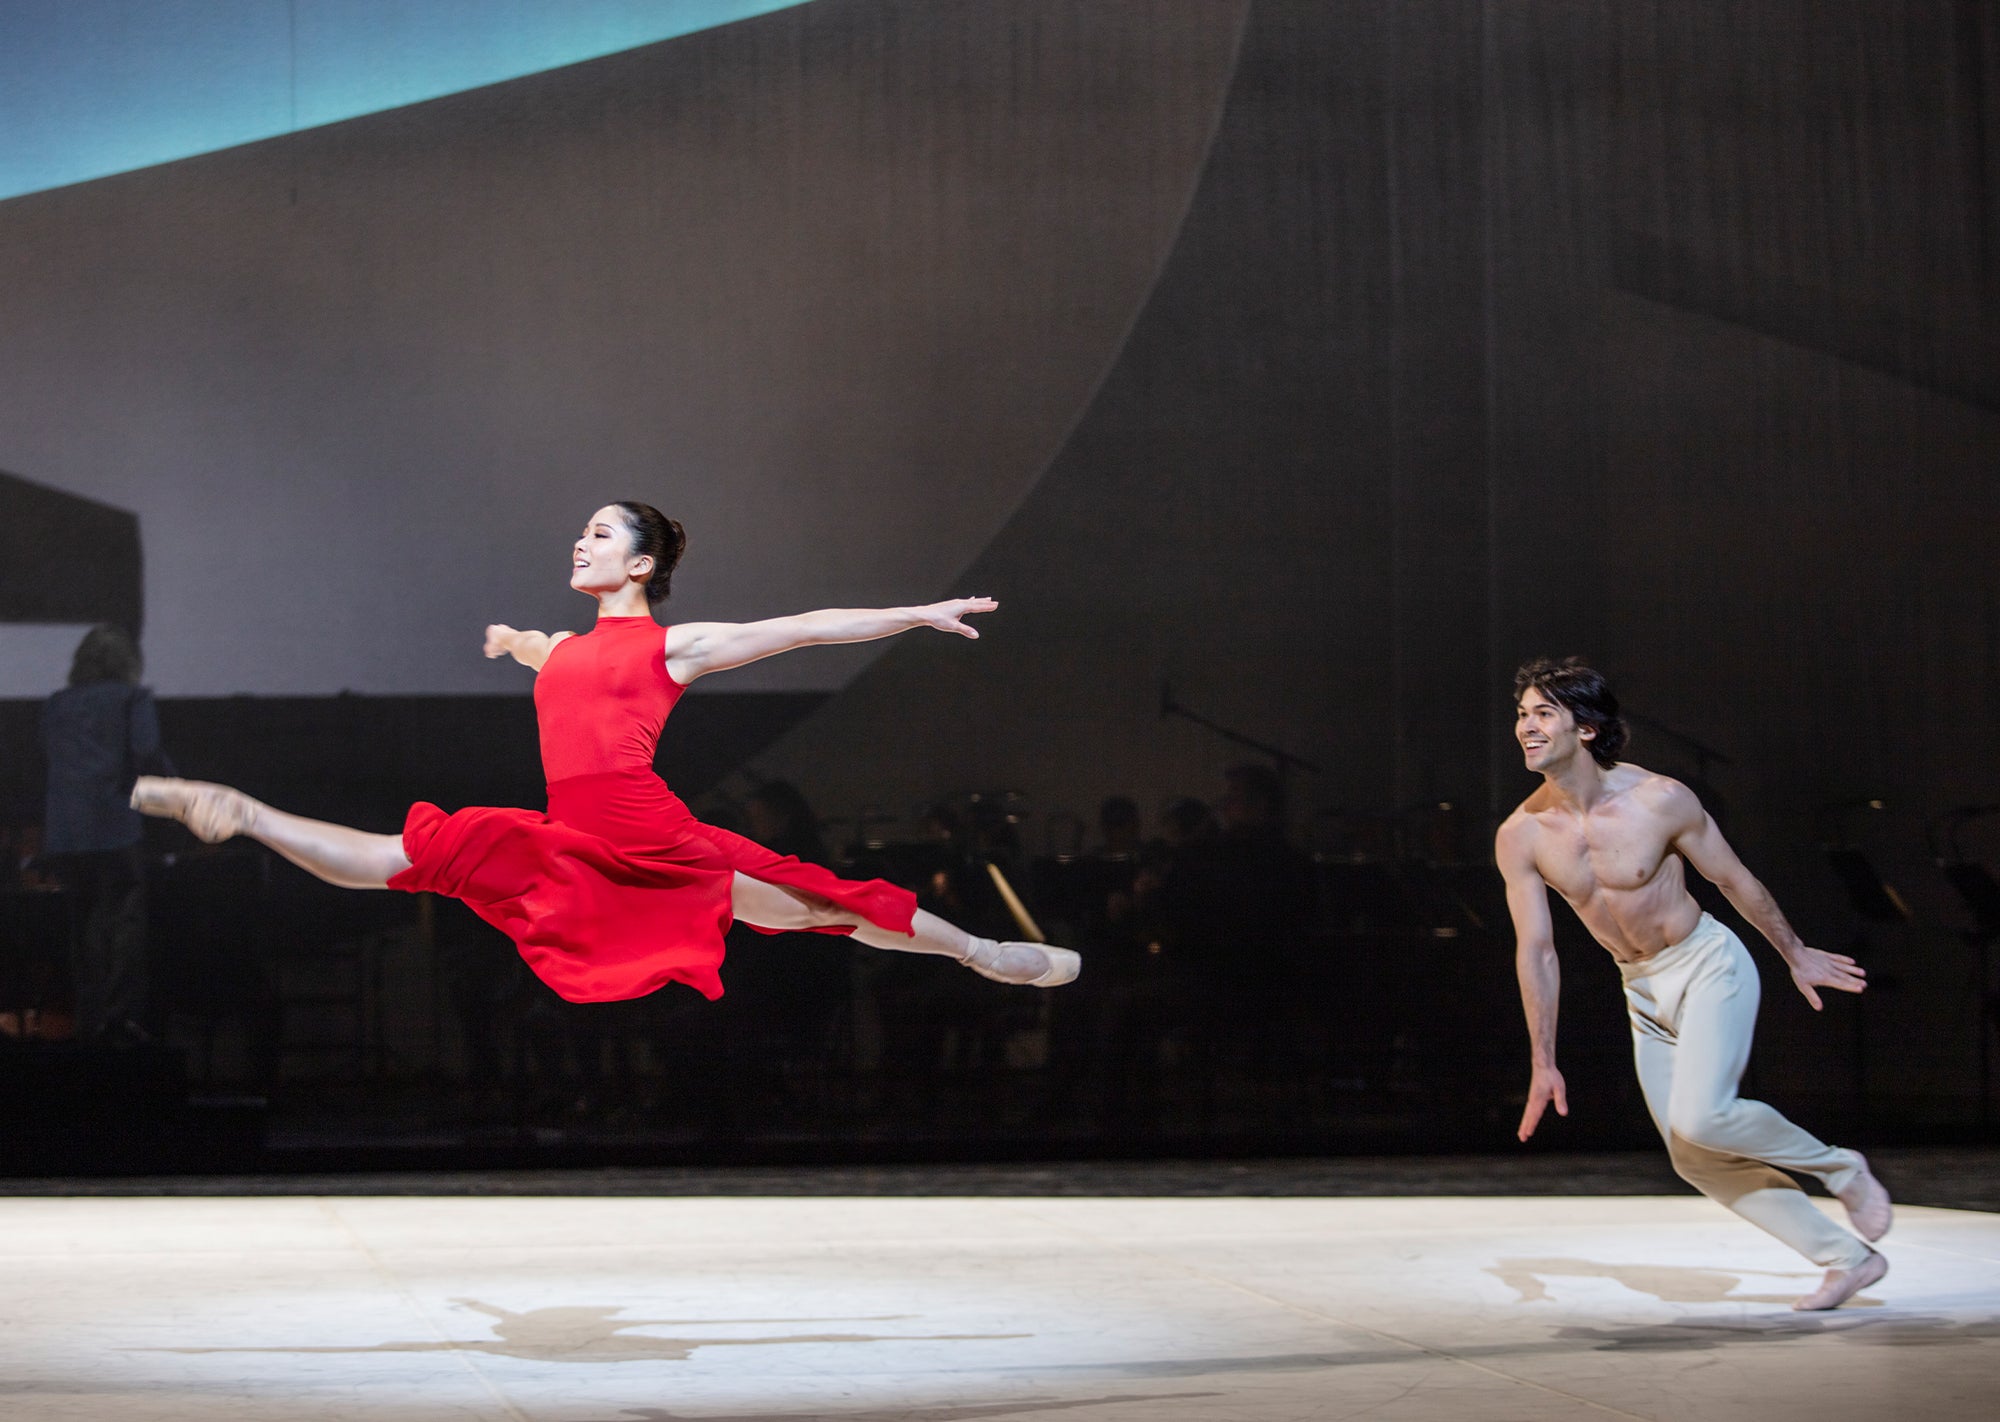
1617, 862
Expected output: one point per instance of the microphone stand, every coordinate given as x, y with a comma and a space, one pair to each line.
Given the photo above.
1284, 759
1705, 755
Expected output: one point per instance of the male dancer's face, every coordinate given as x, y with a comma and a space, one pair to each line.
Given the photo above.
1547, 732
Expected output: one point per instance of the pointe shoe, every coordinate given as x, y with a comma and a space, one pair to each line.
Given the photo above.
1867, 1203
1840, 1285
1024, 964
212, 812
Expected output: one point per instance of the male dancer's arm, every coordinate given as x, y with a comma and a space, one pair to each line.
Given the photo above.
1700, 842
530, 649
697, 648
1536, 965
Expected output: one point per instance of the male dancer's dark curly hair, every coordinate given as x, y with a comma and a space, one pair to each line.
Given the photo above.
654, 536
1581, 690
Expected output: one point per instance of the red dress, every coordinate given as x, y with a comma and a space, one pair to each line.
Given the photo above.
618, 890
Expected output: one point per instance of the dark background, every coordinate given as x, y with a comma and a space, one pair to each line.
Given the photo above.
1377, 347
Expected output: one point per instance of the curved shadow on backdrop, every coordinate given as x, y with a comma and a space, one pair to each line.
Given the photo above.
831, 285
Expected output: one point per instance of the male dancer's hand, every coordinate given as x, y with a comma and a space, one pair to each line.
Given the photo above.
1812, 968
1546, 1087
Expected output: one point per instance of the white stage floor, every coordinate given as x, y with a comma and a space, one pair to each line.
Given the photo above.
951, 1310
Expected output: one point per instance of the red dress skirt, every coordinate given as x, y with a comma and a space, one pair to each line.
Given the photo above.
618, 890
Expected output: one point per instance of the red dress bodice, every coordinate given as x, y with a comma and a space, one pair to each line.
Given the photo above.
601, 699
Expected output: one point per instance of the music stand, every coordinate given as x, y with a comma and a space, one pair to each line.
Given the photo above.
1872, 897
1980, 892
1874, 900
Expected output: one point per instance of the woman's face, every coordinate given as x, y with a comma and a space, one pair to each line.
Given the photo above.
601, 560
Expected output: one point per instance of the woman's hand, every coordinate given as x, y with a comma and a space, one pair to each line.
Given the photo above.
950, 616
530, 649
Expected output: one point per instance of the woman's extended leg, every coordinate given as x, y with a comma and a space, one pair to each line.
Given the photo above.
351, 858
1032, 964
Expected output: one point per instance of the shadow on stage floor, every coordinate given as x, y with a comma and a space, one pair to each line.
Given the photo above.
698, 1309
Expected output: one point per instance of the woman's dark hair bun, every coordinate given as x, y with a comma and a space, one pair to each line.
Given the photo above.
658, 537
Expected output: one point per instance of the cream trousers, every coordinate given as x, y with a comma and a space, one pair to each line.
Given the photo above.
1694, 1009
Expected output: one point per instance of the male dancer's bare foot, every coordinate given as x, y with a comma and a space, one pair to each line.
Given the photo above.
213, 812
1840, 1285
1026, 964
1868, 1208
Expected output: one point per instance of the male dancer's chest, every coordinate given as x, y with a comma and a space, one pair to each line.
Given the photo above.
1583, 856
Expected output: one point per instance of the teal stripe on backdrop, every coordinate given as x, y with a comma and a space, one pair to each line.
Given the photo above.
93, 87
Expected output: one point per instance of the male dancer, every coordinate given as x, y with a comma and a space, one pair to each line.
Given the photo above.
1610, 838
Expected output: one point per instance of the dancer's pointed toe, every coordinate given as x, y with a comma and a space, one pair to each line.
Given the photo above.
212, 812
1025, 964
1867, 1202
1840, 1285
1064, 965
158, 795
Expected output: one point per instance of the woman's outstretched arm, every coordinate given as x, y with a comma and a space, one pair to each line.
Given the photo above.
698, 648
530, 649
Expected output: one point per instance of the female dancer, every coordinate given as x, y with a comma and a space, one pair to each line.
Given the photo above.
618, 890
